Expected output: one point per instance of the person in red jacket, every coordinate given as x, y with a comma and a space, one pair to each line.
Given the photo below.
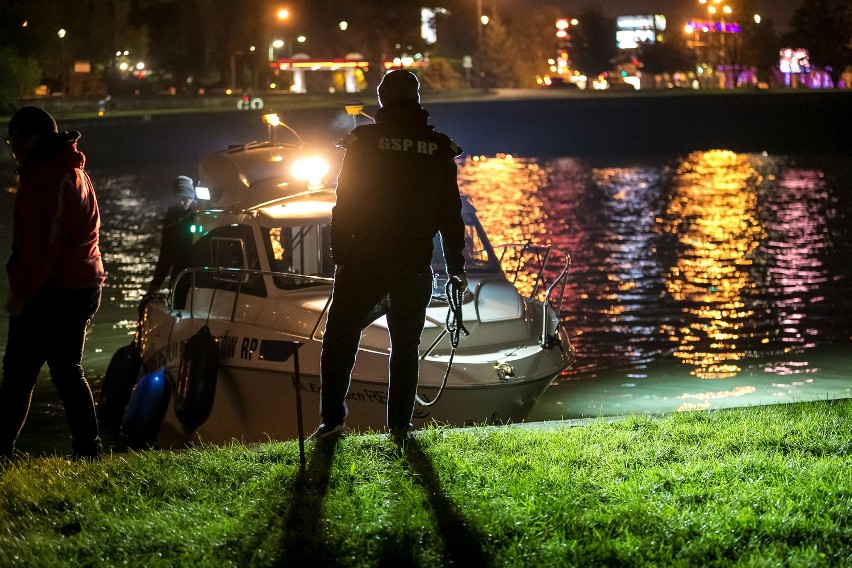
55, 278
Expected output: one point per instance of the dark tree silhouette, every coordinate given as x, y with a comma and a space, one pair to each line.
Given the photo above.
593, 45
761, 47
824, 28
494, 61
668, 56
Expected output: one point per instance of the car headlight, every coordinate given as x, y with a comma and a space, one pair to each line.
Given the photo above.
310, 169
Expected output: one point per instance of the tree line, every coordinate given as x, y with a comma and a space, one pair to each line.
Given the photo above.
188, 45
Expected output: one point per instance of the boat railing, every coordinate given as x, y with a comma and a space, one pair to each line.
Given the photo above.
237, 277
539, 272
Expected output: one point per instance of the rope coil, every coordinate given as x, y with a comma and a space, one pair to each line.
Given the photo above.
455, 327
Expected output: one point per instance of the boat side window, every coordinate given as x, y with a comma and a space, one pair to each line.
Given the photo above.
299, 250
231, 247
229, 253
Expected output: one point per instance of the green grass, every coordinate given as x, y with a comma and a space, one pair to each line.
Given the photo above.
762, 486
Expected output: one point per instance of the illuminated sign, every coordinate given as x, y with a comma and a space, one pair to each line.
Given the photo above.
711, 26
633, 30
319, 65
794, 60
428, 28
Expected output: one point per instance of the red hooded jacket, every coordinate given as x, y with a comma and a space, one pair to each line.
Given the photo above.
56, 224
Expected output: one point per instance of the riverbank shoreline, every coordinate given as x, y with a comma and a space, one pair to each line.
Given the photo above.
539, 122
151, 149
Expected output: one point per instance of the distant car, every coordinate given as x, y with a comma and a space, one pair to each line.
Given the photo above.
619, 85
558, 83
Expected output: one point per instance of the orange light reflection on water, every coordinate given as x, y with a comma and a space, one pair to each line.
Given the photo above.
504, 192
714, 215
717, 261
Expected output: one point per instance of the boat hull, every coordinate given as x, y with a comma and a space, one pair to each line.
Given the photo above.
255, 396
259, 406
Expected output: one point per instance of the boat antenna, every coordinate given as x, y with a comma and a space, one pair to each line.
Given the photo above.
273, 121
356, 109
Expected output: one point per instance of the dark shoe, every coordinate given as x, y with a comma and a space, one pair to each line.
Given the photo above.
328, 431
400, 436
91, 452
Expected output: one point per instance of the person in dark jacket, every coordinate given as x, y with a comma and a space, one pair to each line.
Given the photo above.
396, 189
176, 243
55, 278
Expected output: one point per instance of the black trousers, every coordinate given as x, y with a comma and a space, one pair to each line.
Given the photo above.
51, 330
363, 293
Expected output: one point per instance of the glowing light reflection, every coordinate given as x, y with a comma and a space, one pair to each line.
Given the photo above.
718, 261
503, 191
713, 216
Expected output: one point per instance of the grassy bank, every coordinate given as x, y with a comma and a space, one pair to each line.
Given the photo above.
755, 487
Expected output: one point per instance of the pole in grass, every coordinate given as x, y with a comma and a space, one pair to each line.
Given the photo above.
297, 383
281, 351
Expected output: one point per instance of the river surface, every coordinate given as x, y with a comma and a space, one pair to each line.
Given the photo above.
699, 281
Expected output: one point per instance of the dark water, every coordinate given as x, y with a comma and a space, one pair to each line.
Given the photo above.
699, 281
707, 280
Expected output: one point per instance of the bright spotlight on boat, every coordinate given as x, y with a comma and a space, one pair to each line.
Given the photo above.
202, 193
271, 119
311, 169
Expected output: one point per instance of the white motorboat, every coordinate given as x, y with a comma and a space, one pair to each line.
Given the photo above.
264, 283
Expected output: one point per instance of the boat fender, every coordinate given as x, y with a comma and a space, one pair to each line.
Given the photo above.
196, 384
146, 410
118, 383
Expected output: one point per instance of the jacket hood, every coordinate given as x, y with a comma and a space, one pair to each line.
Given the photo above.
62, 145
402, 111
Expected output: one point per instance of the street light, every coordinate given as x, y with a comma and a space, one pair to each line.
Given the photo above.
276, 44
62, 64
478, 19
283, 14
714, 8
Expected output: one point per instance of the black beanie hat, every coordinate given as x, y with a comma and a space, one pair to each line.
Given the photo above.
397, 85
33, 120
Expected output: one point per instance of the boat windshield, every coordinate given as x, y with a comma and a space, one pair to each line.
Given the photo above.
478, 254
305, 250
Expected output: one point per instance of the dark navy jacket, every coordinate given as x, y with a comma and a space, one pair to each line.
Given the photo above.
175, 245
396, 189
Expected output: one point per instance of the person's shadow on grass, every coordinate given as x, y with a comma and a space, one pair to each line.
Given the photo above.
463, 545
301, 543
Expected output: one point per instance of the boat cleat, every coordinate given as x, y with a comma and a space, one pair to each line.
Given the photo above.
504, 371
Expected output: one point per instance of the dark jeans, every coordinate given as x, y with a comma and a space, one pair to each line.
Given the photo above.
361, 295
51, 330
